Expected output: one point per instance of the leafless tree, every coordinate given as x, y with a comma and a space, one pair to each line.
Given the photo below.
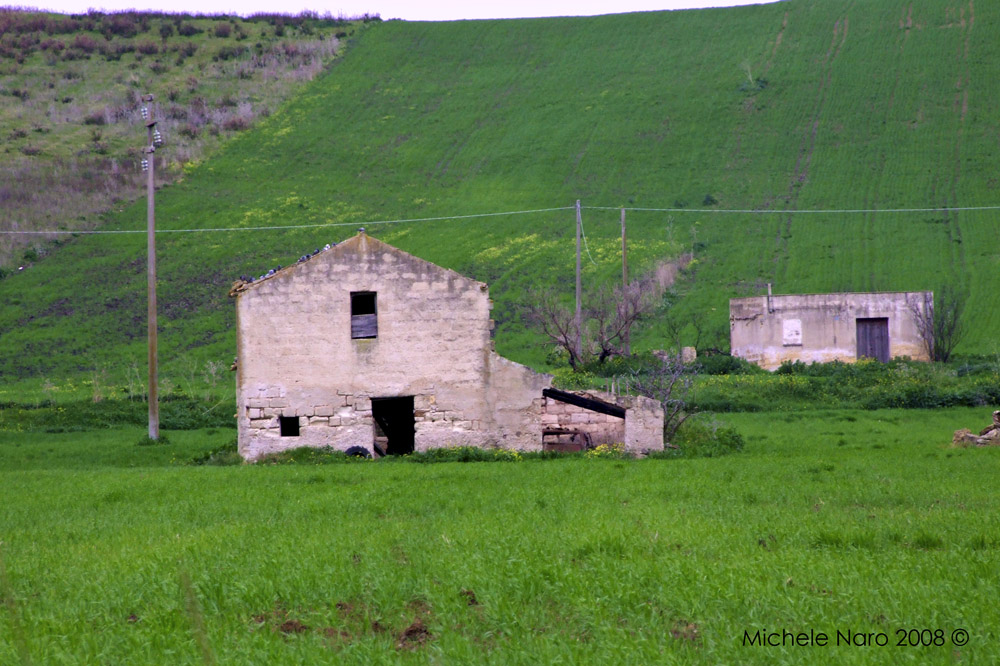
607, 323
544, 313
670, 384
939, 322
615, 312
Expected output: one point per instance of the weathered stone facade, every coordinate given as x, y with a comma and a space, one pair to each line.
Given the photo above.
364, 345
298, 359
768, 330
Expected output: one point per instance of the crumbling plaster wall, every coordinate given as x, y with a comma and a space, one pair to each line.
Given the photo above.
297, 357
763, 328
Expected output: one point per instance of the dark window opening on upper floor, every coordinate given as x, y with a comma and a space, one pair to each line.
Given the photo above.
364, 315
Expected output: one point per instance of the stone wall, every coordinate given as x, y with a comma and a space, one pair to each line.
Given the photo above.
297, 357
601, 428
768, 330
640, 430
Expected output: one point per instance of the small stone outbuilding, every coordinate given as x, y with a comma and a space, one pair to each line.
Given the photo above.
769, 330
362, 345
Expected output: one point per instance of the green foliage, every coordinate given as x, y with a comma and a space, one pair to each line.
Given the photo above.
176, 413
724, 364
701, 438
415, 125
863, 385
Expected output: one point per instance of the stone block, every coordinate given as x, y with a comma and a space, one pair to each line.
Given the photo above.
324, 410
319, 419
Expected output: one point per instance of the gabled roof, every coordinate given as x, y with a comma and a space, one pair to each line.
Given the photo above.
359, 244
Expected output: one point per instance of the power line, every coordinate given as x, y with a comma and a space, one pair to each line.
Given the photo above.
801, 211
715, 211
292, 226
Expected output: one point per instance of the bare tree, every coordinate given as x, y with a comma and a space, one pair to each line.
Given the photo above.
615, 312
939, 322
608, 320
669, 383
544, 313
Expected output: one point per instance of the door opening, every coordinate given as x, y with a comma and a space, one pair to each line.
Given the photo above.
394, 425
873, 338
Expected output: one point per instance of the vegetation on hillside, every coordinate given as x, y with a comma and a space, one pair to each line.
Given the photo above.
69, 103
772, 109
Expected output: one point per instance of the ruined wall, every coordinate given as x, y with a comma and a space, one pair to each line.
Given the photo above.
602, 428
640, 430
297, 356
821, 327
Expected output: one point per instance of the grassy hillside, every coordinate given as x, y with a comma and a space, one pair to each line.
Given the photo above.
69, 102
797, 105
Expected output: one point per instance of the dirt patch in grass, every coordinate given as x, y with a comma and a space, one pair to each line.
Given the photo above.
414, 636
686, 631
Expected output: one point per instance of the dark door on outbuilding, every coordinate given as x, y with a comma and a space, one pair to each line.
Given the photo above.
873, 338
395, 423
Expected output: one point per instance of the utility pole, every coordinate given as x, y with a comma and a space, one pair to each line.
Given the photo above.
579, 285
628, 344
153, 140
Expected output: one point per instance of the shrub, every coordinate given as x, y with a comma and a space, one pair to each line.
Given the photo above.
95, 118
236, 124
190, 131
147, 48
223, 30
613, 451
121, 25
188, 30
229, 52
724, 364
700, 439
84, 43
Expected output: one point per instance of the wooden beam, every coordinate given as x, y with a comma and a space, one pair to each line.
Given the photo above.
592, 404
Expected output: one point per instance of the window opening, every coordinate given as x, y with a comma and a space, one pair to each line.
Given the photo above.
364, 316
289, 426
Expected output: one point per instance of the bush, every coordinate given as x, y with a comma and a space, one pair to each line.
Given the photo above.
724, 364
223, 30
236, 124
84, 43
700, 439
147, 48
188, 30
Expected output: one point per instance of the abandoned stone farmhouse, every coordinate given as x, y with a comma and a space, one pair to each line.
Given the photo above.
363, 346
816, 328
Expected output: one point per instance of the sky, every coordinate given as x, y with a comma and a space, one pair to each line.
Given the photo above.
427, 10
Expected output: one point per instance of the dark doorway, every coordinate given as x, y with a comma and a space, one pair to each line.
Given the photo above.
394, 425
873, 338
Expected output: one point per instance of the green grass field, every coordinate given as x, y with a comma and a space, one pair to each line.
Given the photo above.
828, 521
794, 105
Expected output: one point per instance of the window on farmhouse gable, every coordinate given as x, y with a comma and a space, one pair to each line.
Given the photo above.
364, 316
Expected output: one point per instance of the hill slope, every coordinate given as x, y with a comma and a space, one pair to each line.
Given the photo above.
798, 105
